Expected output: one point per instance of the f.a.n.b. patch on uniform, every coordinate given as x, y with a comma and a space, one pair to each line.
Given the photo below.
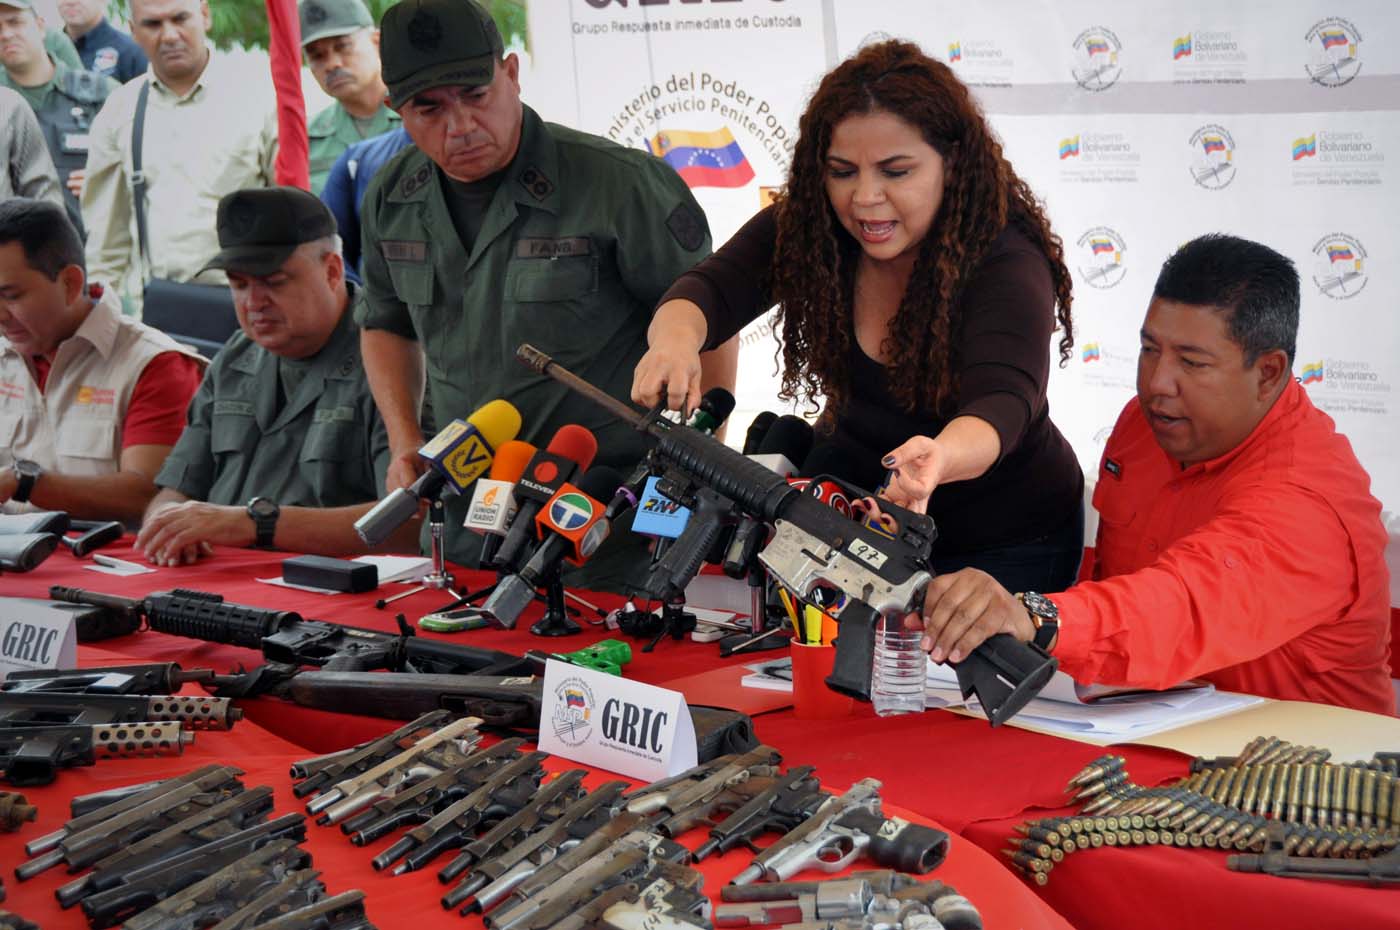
341, 414
403, 250
237, 408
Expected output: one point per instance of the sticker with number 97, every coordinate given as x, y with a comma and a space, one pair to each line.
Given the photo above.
867, 553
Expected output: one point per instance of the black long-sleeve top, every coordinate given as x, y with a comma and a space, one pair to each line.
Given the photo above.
1003, 364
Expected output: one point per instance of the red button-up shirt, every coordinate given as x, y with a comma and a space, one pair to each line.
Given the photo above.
1262, 570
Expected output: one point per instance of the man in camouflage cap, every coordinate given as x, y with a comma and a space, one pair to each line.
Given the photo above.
498, 228
342, 50
283, 447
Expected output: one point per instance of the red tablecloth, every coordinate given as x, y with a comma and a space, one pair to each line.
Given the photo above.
951, 769
276, 734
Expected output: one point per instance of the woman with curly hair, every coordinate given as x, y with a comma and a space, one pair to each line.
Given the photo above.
918, 283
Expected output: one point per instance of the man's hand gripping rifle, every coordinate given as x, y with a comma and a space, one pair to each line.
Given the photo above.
883, 577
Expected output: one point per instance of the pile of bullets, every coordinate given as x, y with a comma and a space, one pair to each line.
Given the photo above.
1273, 796
532, 851
198, 849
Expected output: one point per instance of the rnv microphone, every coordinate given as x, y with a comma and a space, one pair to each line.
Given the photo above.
657, 515
458, 455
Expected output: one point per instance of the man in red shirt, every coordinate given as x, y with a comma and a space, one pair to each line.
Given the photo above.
91, 402
1238, 539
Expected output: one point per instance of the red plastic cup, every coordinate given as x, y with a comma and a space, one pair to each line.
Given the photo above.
811, 698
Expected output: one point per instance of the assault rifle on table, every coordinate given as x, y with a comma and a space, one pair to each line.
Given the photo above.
883, 577
289, 643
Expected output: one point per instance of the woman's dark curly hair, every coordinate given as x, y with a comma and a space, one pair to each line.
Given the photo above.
813, 271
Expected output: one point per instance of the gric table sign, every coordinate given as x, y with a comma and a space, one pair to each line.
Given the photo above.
35, 637
607, 722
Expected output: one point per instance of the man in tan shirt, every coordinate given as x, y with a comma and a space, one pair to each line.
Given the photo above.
91, 401
210, 129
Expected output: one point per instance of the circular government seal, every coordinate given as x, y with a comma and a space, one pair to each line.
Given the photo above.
1101, 257
572, 719
1213, 157
1339, 266
1096, 64
1333, 46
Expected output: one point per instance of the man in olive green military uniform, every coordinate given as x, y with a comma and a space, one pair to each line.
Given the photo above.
64, 98
498, 229
283, 446
342, 50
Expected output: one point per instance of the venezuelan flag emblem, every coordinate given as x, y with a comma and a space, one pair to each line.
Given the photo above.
1069, 148
1096, 45
1101, 246
704, 159
955, 52
1332, 38
1091, 352
1181, 48
1339, 253
1313, 373
1305, 147
1212, 144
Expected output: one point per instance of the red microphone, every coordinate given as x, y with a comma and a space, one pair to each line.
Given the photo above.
569, 453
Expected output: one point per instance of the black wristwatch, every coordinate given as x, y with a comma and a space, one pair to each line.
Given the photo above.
1045, 617
264, 512
26, 474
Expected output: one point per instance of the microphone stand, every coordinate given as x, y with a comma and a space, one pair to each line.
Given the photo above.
438, 578
555, 621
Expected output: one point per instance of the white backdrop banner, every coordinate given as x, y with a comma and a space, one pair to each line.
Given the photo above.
1140, 127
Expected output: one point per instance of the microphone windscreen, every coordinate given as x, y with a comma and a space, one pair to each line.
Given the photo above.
498, 422
758, 429
846, 460
511, 458
601, 483
574, 443
789, 436
718, 403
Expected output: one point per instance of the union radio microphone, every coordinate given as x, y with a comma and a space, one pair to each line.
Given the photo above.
569, 452
458, 455
493, 499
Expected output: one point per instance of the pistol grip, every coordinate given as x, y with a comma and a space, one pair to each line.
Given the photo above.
855, 650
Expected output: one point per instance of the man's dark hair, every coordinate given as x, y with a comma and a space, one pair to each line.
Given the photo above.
45, 233
1257, 286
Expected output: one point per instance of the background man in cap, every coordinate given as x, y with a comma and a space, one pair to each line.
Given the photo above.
92, 401
283, 446
342, 50
210, 129
102, 47
64, 99
497, 229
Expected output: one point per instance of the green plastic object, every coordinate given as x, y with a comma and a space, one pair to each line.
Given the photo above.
608, 655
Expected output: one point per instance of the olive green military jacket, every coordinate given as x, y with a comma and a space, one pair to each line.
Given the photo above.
326, 447
332, 131
579, 243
